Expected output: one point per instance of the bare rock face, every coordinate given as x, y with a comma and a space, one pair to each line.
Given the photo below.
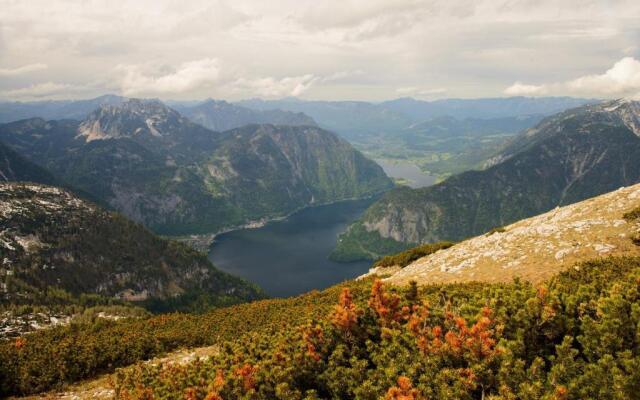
536, 248
132, 117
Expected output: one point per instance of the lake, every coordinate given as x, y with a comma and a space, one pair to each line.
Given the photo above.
410, 172
289, 257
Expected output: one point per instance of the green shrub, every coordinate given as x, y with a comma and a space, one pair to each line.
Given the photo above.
408, 256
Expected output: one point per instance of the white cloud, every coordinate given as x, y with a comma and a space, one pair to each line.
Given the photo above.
25, 69
521, 89
273, 88
622, 79
186, 77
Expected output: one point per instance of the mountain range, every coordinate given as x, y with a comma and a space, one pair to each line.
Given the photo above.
442, 137
402, 129
219, 115
566, 158
157, 167
354, 119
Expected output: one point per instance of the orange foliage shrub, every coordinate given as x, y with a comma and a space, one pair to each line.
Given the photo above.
404, 391
386, 306
429, 339
247, 372
20, 343
561, 393
313, 337
216, 386
345, 313
477, 341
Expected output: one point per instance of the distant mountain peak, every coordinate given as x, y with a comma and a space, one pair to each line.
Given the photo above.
628, 110
220, 115
130, 118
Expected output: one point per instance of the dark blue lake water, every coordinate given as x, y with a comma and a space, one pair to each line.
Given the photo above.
289, 257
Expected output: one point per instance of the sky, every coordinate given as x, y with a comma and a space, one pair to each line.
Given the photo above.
368, 50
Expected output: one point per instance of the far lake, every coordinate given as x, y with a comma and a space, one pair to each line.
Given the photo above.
408, 171
289, 257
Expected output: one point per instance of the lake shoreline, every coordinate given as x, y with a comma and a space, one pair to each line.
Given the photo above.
203, 242
291, 256
407, 173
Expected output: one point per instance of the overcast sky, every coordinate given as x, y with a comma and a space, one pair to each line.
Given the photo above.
319, 49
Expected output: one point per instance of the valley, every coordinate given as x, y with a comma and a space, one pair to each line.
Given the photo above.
567, 157
272, 308
320, 200
406, 173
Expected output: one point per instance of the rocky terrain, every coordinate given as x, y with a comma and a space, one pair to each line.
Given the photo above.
56, 249
535, 248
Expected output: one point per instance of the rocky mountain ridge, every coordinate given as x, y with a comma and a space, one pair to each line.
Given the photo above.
536, 248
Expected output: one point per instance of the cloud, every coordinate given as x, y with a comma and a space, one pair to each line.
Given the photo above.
25, 69
41, 90
420, 92
622, 79
521, 89
274, 88
187, 76
473, 48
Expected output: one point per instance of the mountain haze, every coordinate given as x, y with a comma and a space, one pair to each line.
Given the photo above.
219, 115
55, 109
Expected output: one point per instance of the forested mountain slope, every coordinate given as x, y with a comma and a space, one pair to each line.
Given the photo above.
571, 337
14, 167
56, 247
